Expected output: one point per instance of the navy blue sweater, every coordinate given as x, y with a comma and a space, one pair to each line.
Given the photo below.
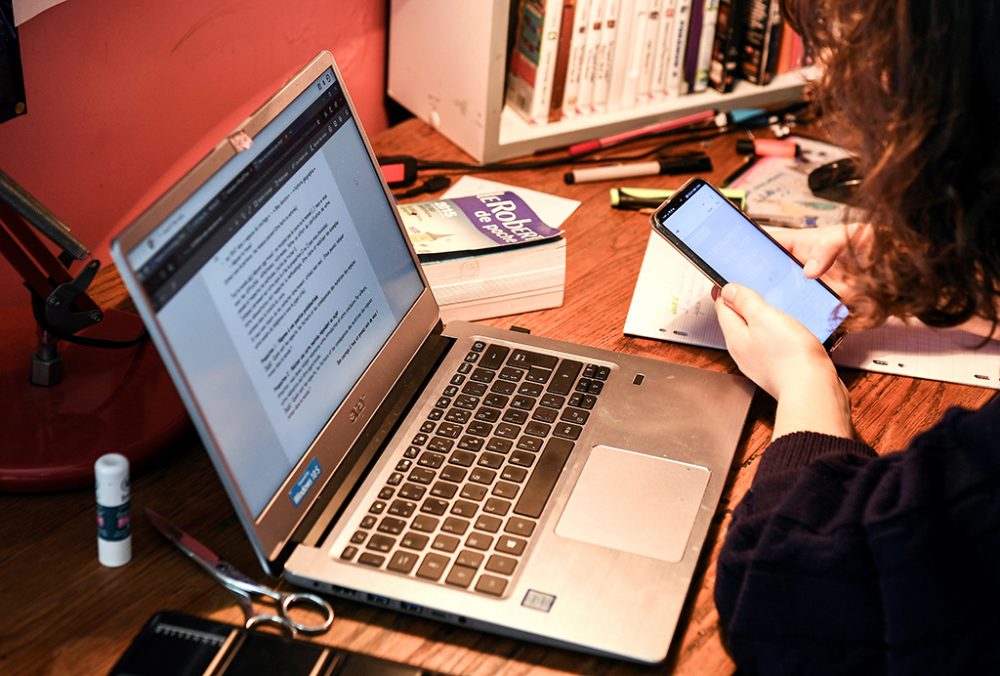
841, 561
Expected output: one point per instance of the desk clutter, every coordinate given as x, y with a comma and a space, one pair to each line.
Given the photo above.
173, 643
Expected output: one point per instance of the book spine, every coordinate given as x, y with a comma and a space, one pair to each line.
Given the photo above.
622, 53
532, 65
704, 59
690, 70
574, 65
676, 45
661, 61
649, 45
756, 40
726, 47
636, 53
772, 51
566, 23
605, 55
585, 95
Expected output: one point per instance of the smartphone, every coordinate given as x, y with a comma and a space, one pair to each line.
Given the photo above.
722, 242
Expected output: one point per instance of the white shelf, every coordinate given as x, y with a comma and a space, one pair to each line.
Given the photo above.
447, 61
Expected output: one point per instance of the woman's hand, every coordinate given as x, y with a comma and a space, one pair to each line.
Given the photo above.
779, 354
821, 250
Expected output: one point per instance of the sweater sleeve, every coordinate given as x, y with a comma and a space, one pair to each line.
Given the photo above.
834, 560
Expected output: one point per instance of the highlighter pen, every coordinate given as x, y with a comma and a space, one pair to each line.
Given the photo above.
690, 164
657, 128
768, 147
650, 198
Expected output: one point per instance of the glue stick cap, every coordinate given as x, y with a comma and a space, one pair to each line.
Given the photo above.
114, 526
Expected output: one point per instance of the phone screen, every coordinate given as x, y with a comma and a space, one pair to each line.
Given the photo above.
728, 247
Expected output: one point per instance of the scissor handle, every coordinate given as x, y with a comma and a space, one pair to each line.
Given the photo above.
305, 600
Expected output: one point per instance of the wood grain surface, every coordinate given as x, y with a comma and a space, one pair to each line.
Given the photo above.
62, 612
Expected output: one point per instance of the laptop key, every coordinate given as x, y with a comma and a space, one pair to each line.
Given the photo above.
511, 473
464, 508
503, 387
498, 445
443, 489
453, 474
501, 564
478, 540
474, 389
427, 524
567, 430
402, 562
381, 543
348, 553
434, 506
391, 525
493, 356
455, 526
402, 508
488, 523
473, 492
524, 358
511, 545
564, 377
543, 478
432, 566
411, 491
505, 490
491, 584
370, 559
538, 375
460, 576
414, 541
496, 506
470, 559
421, 475
530, 390
519, 526
462, 458
445, 543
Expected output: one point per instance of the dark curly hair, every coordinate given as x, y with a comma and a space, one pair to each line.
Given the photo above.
913, 88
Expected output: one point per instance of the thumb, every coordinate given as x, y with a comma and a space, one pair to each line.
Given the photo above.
742, 300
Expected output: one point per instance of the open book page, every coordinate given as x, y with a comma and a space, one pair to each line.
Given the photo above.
672, 302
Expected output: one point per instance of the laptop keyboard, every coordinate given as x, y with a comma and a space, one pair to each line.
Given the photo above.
463, 502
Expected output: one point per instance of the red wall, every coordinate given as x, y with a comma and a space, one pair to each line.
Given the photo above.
123, 97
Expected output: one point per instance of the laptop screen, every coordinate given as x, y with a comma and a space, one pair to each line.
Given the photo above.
277, 282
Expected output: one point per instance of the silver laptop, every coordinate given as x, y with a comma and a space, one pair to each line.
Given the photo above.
493, 479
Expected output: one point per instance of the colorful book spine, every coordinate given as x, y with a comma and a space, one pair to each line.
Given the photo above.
763, 26
532, 63
562, 60
726, 47
704, 60
690, 69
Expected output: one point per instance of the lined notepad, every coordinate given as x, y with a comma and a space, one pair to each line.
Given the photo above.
672, 301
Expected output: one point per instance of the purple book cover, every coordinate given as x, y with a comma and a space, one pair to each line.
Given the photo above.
478, 222
693, 43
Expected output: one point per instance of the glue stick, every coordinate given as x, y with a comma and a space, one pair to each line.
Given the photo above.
114, 526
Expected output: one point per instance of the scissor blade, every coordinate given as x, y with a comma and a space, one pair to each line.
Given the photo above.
185, 542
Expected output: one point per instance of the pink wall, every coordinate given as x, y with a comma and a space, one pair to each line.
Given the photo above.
123, 97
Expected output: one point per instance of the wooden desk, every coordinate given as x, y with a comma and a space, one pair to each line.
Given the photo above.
61, 612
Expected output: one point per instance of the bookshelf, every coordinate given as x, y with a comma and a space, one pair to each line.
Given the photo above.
447, 65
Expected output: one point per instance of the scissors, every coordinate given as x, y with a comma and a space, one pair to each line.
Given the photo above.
246, 590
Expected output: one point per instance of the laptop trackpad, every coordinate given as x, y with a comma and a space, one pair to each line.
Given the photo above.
634, 502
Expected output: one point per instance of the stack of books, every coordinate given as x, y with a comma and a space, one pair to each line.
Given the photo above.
579, 57
490, 254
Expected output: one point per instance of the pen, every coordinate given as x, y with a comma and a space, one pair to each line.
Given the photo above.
786, 221
615, 139
740, 170
650, 198
685, 164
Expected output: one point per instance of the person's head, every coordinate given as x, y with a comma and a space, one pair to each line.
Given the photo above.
913, 87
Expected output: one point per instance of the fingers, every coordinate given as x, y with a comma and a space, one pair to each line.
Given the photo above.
743, 300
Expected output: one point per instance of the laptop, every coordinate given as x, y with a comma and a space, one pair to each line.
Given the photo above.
493, 479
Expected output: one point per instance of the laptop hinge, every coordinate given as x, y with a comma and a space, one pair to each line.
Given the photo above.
339, 489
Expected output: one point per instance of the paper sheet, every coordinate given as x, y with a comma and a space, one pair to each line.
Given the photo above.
672, 301
27, 9
778, 187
